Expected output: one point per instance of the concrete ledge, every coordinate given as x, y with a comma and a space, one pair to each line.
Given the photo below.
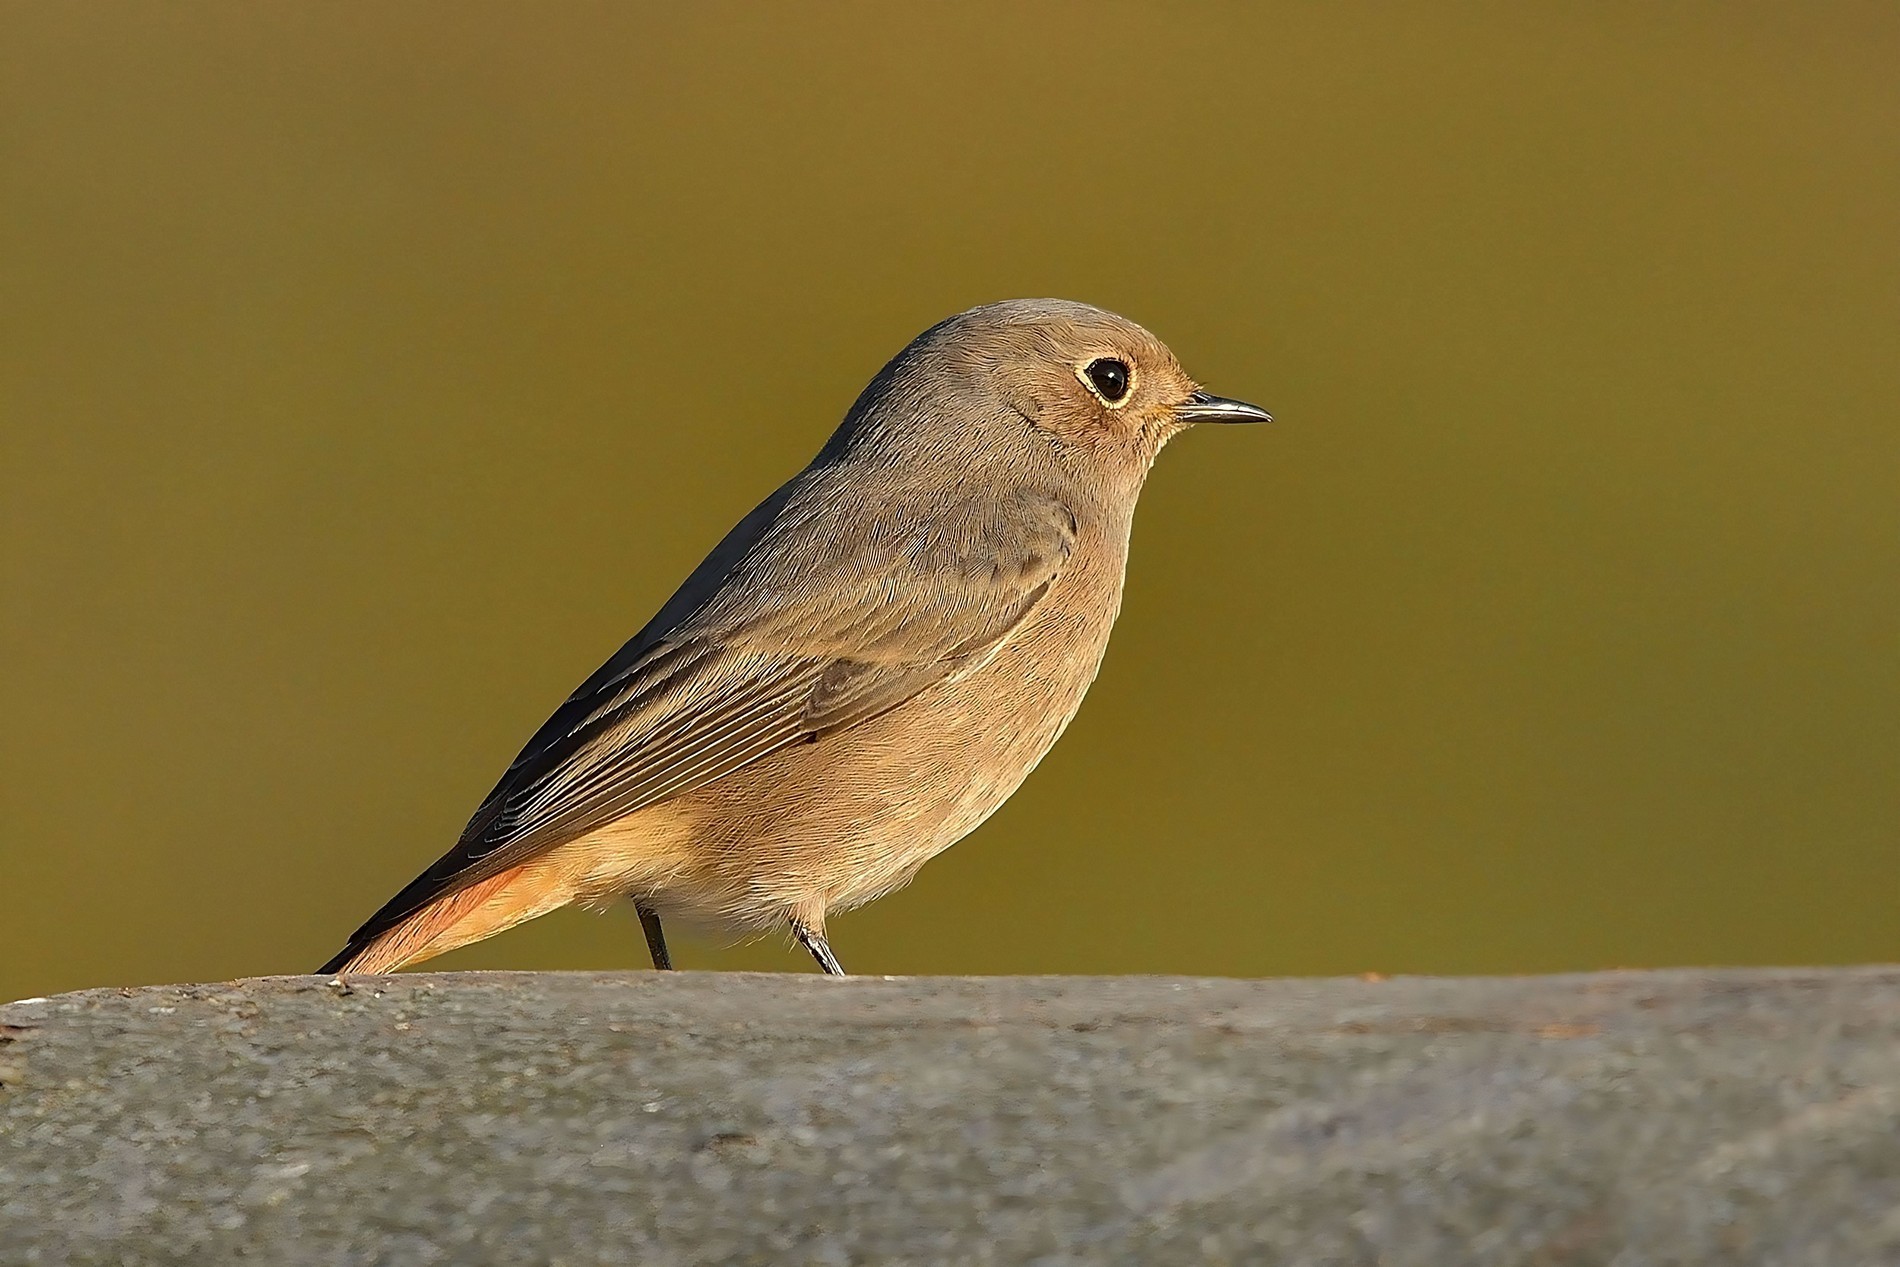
1674, 1117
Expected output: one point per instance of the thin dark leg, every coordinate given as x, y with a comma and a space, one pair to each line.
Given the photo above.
820, 950
656, 940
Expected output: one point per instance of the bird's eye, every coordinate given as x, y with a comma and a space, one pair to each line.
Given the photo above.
1109, 378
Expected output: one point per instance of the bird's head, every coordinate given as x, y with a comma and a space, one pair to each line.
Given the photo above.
1041, 379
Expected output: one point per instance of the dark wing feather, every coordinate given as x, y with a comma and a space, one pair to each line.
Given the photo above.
791, 642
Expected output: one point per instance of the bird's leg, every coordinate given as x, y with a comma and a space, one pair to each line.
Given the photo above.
656, 939
813, 940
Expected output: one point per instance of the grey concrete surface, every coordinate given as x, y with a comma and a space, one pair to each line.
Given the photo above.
1737, 1117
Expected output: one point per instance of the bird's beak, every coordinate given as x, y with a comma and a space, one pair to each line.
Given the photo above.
1206, 407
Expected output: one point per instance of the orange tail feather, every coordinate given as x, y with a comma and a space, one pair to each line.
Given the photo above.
481, 910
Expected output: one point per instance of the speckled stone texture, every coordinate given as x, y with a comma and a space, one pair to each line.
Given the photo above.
1632, 1118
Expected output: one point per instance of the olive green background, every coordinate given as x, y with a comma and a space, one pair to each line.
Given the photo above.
368, 373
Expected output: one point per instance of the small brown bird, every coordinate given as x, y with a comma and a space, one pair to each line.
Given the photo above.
860, 673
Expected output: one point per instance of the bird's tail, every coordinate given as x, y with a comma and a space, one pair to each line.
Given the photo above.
457, 918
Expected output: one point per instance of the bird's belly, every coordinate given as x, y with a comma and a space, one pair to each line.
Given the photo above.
830, 825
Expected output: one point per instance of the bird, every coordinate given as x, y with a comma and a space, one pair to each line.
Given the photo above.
865, 668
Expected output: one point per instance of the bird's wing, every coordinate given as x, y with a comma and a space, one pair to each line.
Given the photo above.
801, 640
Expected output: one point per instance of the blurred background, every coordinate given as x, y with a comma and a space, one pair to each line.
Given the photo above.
368, 374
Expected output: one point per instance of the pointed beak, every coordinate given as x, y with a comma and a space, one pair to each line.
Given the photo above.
1205, 407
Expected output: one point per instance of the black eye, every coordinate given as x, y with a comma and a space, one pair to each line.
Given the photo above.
1109, 377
